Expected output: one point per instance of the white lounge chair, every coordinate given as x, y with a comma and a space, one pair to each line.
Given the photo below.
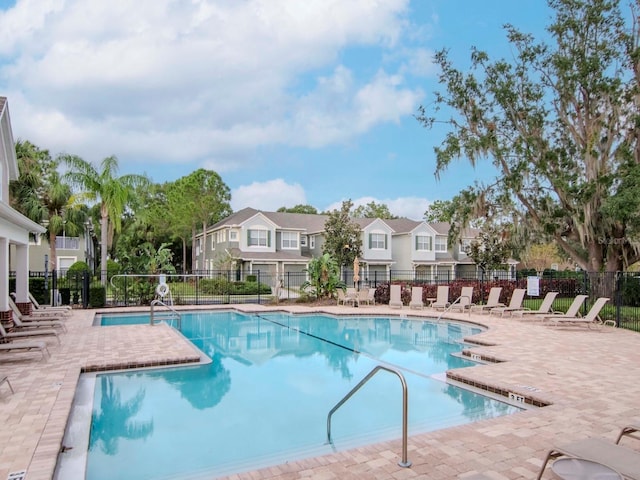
517, 297
44, 332
572, 311
416, 298
395, 296
48, 309
372, 296
13, 346
464, 301
621, 459
493, 301
442, 298
24, 322
591, 319
543, 309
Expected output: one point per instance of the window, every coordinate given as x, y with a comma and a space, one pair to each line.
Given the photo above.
312, 242
377, 240
258, 238
198, 246
289, 240
303, 240
424, 242
465, 244
441, 244
233, 235
67, 243
213, 242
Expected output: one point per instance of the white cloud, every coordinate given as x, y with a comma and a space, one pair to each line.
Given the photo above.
268, 196
168, 80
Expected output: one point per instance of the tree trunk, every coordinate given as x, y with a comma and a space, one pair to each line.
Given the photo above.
104, 231
193, 247
53, 256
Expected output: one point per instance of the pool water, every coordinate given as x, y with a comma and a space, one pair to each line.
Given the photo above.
265, 396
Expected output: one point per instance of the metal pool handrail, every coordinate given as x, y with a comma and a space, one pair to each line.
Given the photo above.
174, 312
455, 302
405, 408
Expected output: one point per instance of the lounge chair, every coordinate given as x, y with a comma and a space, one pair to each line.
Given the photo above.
591, 319
12, 346
629, 431
572, 311
416, 298
23, 322
64, 309
543, 309
622, 459
395, 296
517, 297
492, 302
463, 302
442, 298
39, 332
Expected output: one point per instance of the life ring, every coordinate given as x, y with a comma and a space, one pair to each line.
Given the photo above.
162, 289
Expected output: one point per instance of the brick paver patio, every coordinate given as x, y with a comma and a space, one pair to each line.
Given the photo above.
590, 378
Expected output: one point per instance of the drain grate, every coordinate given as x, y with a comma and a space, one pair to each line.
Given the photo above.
21, 475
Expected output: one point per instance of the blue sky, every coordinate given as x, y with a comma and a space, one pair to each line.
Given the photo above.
291, 102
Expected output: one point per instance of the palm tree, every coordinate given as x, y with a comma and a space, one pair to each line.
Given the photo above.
40, 194
112, 192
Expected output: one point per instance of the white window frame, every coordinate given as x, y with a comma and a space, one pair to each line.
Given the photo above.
233, 235
377, 240
303, 240
312, 241
263, 234
424, 243
290, 242
441, 244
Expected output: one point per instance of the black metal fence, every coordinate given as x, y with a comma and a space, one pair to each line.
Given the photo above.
231, 287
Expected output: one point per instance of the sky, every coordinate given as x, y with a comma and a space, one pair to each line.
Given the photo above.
290, 101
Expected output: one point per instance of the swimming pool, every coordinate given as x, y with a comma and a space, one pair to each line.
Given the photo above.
265, 396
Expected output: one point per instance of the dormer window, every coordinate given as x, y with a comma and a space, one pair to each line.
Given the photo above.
424, 243
377, 241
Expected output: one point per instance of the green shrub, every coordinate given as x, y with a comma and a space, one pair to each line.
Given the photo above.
77, 269
97, 296
113, 268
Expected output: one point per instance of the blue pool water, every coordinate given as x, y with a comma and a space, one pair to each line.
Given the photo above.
265, 396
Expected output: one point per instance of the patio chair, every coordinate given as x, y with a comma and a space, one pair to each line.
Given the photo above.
517, 297
44, 332
48, 309
372, 296
343, 298
493, 301
24, 322
416, 298
544, 308
591, 319
463, 302
442, 298
362, 297
572, 311
395, 296
621, 459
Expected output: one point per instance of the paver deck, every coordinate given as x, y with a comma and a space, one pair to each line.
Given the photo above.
590, 378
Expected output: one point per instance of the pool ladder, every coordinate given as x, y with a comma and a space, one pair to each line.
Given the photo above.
405, 408
448, 309
172, 314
